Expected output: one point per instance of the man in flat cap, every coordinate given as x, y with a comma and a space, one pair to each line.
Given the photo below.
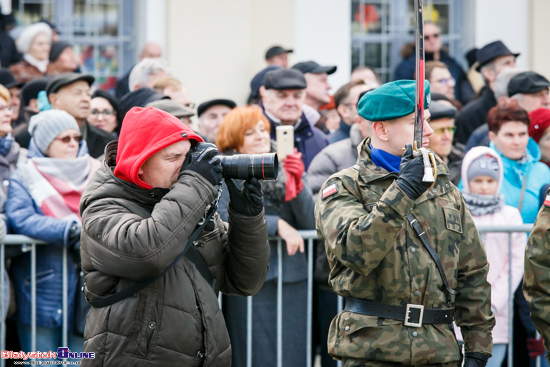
530, 89
277, 55
492, 59
283, 95
71, 92
405, 254
442, 122
317, 82
211, 114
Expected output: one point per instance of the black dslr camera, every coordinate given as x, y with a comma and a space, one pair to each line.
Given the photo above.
241, 166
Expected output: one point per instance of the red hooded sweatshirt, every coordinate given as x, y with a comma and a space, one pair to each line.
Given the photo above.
144, 132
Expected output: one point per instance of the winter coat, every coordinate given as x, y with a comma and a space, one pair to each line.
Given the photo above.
538, 174
97, 140
473, 115
308, 139
26, 218
375, 254
25, 72
455, 163
130, 234
340, 134
334, 158
498, 255
479, 137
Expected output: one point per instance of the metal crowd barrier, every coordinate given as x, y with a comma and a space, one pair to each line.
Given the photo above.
309, 236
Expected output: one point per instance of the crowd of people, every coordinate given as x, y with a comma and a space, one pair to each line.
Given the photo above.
57, 130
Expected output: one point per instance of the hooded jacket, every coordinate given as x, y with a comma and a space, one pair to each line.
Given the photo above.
498, 255
538, 174
132, 233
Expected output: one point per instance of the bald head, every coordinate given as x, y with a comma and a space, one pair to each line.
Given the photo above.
151, 50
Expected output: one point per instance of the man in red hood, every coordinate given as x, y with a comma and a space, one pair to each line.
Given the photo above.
139, 212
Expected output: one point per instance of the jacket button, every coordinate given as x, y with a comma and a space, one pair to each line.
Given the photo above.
447, 185
59, 311
152, 325
200, 354
415, 333
152, 194
346, 328
416, 293
434, 191
413, 250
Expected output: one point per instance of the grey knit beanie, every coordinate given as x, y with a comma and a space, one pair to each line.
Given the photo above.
46, 125
485, 165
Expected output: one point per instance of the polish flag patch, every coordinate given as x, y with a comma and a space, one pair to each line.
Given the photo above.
547, 200
329, 190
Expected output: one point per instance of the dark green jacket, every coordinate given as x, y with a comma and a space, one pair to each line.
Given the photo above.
375, 254
130, 234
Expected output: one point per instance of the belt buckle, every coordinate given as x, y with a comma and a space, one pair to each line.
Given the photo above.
410, 307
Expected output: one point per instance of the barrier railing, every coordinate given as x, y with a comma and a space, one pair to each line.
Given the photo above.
309, 236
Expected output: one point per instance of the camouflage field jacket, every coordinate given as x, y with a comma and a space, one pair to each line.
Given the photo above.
375, 254
536, 280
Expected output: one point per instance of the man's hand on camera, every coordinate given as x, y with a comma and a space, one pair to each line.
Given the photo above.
208, 166
247, 201
411, 172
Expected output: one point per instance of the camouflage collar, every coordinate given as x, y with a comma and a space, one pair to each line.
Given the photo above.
370, 172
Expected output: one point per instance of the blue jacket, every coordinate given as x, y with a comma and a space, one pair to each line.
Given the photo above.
538, 175
27, 219
340, 134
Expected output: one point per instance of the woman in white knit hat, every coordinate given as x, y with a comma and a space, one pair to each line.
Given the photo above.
34, 43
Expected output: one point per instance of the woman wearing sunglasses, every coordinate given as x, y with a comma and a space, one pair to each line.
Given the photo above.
43, 203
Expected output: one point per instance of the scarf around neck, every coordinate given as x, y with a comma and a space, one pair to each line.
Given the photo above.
384, 159
483, 204
42, 66
5, 144
56, 185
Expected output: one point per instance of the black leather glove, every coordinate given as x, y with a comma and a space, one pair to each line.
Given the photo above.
74, 237
411, 172
247, 201
475, 360
207, 166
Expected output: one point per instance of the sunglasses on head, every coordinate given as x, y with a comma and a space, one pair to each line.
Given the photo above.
67, 139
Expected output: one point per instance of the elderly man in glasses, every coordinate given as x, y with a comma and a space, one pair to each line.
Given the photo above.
442, 121
434, 52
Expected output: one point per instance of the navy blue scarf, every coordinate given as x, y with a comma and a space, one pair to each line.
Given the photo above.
384, 159
5, 144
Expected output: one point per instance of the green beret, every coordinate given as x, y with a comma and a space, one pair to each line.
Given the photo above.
391, 100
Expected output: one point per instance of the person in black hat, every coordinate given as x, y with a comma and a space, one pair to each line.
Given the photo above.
530, 89
257, 82
8, 80
277, 55
211, 115
442, 122
283, 96
137, 98
317, 83
71, 92
62, 59
491, 58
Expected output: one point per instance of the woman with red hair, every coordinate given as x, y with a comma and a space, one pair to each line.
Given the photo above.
288, 208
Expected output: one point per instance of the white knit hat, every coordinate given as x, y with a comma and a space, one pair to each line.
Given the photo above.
46, 125
26, 37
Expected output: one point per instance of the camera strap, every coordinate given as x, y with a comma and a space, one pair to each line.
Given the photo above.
138, 286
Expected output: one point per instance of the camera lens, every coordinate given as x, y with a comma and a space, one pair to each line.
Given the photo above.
245, 166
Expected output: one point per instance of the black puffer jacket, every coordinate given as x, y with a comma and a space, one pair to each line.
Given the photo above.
130, 234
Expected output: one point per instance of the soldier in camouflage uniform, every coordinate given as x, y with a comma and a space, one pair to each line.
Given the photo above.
536, 280
398, 310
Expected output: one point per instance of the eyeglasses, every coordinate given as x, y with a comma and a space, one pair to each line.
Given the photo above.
104, 112
450, 130
191, 105
67, 139
6, 107
427, 37
451, 82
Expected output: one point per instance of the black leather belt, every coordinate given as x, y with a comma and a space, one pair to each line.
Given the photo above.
411, 315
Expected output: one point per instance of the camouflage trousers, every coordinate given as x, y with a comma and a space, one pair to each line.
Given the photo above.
363, 363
